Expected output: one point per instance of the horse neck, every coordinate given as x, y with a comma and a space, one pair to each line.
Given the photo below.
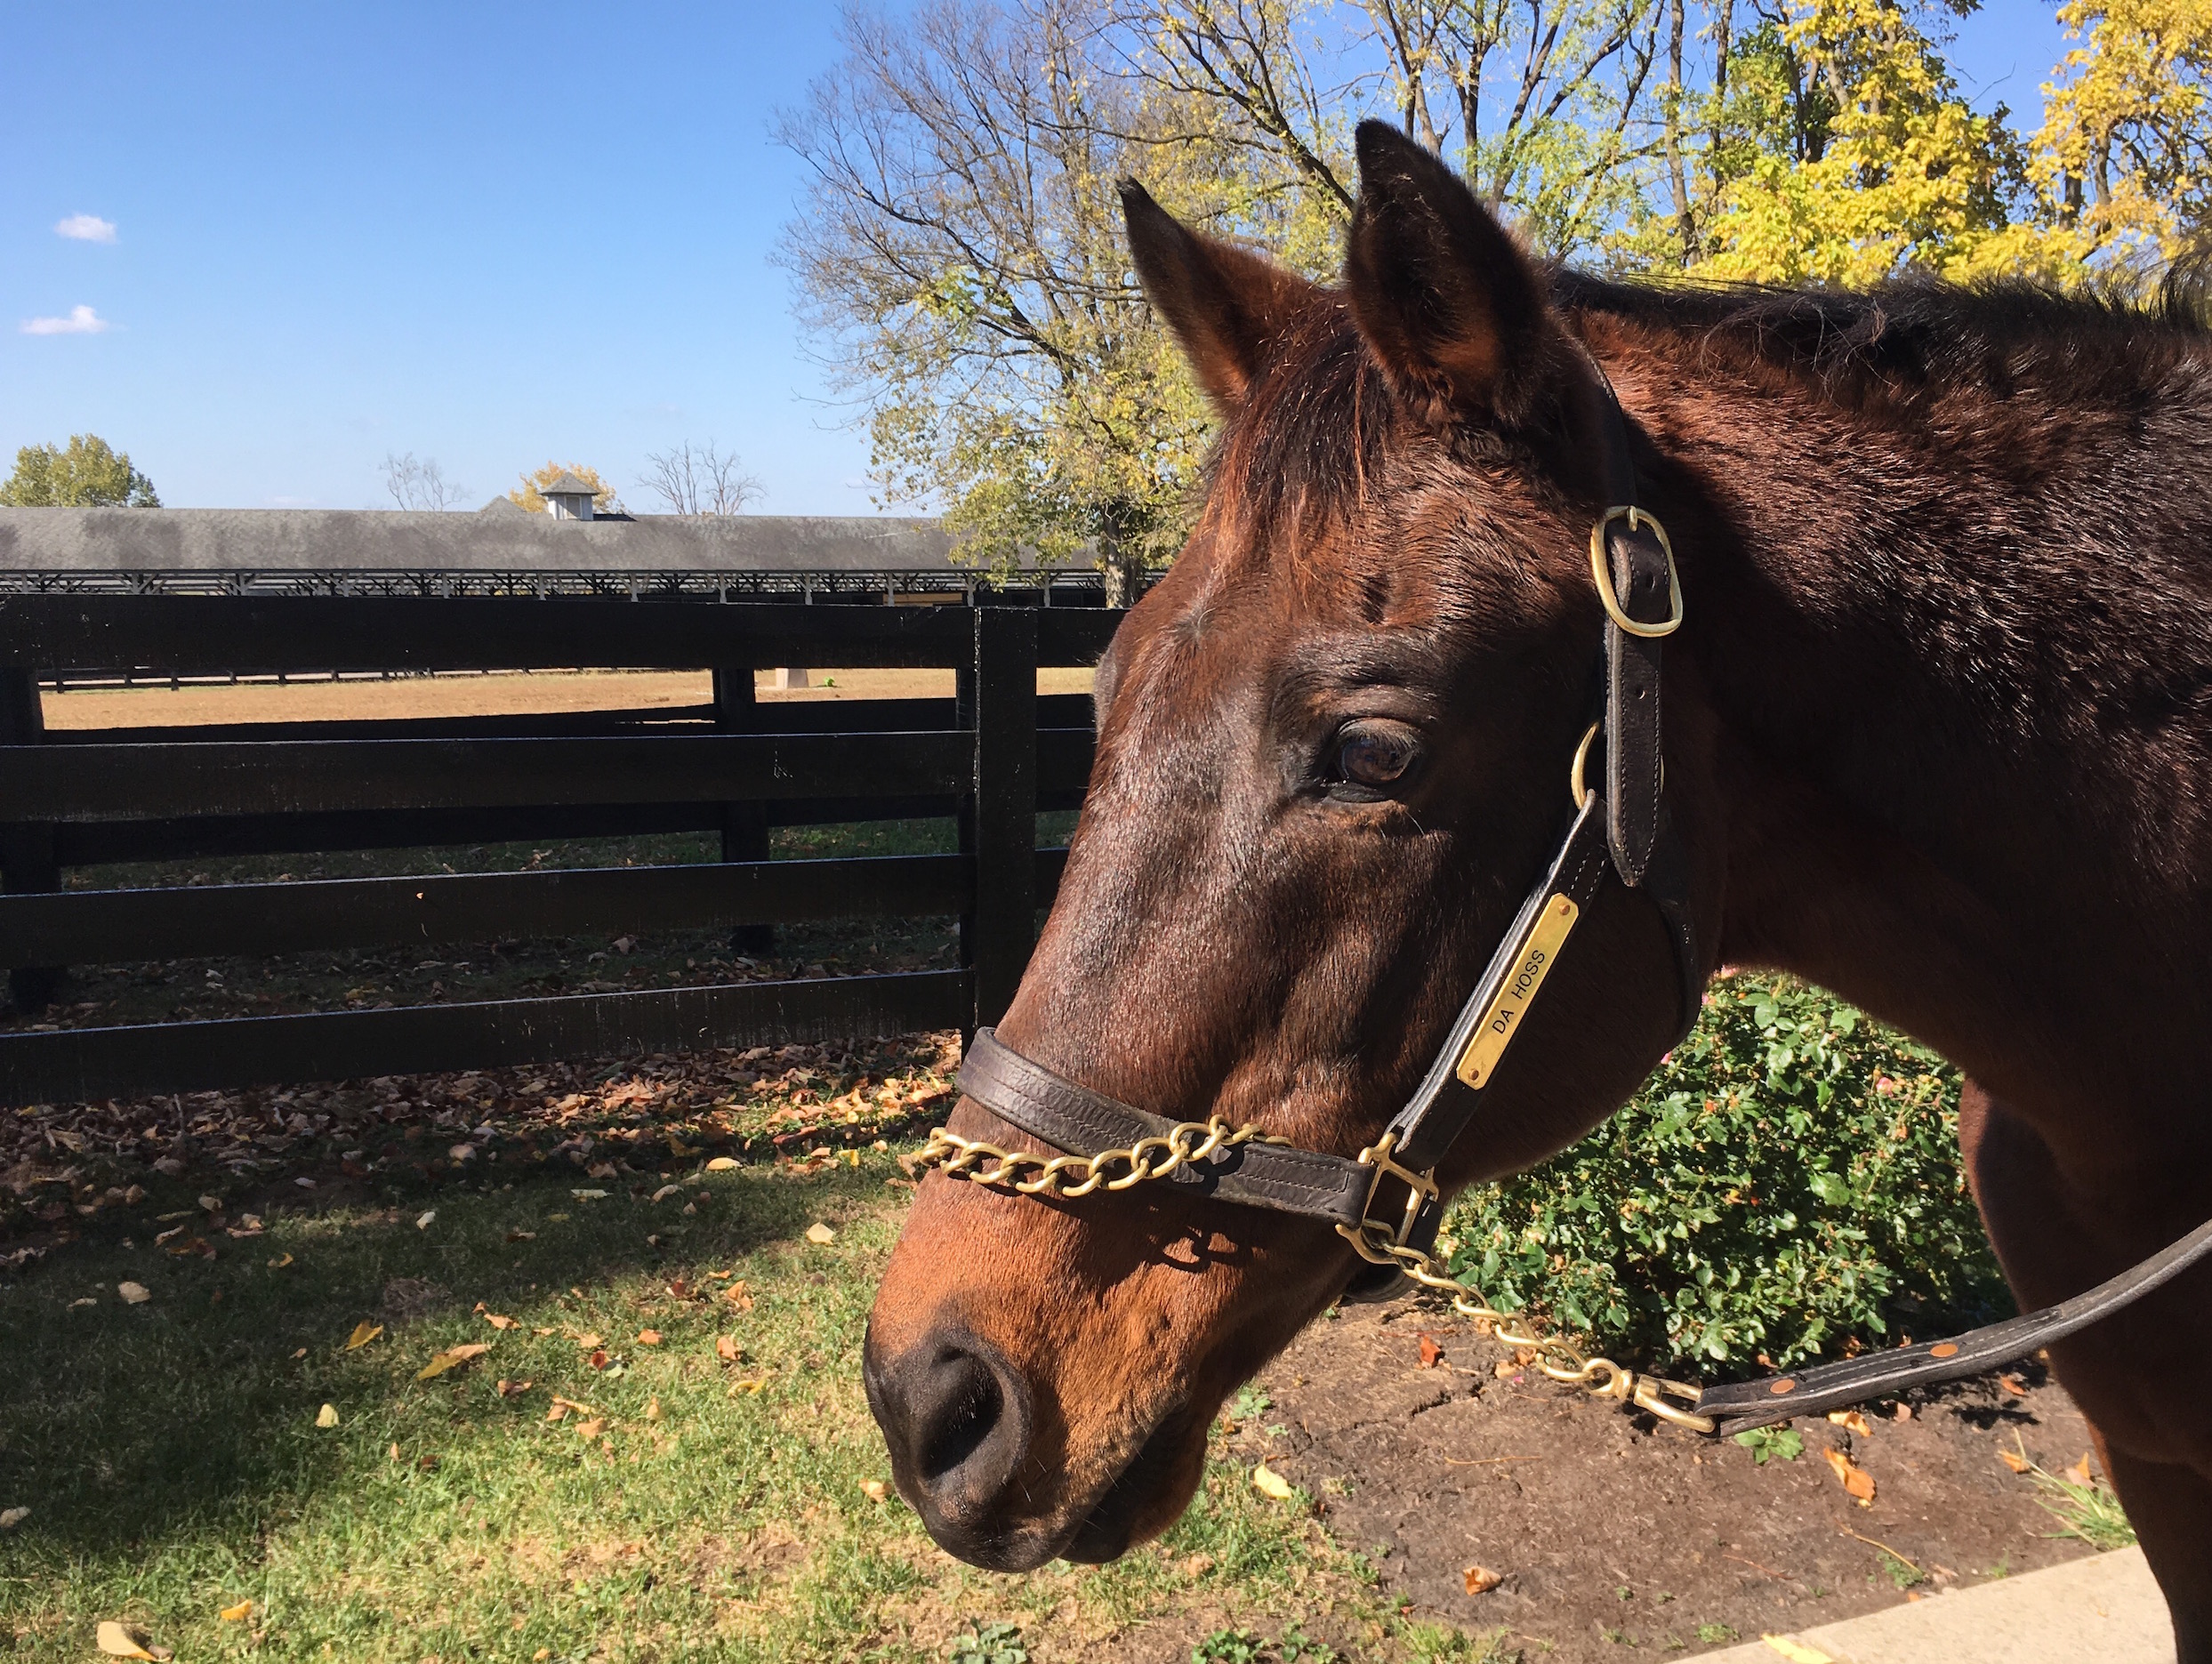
1959, 672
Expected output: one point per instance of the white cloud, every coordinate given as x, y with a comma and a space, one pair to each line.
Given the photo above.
81, 320
86, 228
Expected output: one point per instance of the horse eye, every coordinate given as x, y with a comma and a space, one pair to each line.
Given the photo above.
1375, 756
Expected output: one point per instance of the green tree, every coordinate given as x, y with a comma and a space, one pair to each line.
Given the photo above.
87, 473
960, 257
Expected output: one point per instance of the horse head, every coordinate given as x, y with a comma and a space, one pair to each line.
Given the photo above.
1333, 747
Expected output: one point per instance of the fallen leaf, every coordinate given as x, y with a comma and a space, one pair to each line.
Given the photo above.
522, 1236
1851, 1421
874, 1490
820, 1234
1903, 1412
80, 1304
721, 1164
362, 1333
590, 1429
587, 1195
666, 1191
558, 1411
1481, 1580
236, 1614
600, 1169
649, 1337
9, 1518
2079, 1472
213, 1205
1271, 1484
726, 1347
1431, 1353
1505, 1369
748, 1385
736, 1295
461, 1151
652, 1410
113, 1639
600, 1360
451, 1358
280, 1262
498, 1321
423, 1220
2013, 1459
1856, 1480
327, 1416
2014, 1384
1796, 1650
134, 1293
591, 1342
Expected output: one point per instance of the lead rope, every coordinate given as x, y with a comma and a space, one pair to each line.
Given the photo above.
1068, 1176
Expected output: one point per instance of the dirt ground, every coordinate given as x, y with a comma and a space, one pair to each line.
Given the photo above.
1612, 1532
497, 695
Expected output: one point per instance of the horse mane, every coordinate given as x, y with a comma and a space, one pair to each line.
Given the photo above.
1918, 332
1317, 431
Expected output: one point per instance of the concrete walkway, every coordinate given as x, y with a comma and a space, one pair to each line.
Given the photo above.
2103, 1607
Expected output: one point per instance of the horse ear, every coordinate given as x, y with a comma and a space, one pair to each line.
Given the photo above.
1225, 305
1451, 305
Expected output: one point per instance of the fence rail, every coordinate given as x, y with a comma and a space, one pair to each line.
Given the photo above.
991, 757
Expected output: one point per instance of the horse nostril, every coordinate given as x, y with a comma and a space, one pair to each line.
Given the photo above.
956, 1416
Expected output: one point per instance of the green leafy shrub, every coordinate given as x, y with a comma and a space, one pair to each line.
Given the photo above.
1788, 1185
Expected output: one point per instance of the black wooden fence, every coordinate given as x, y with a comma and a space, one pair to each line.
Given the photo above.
991, 756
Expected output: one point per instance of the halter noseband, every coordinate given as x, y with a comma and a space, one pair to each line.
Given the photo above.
1623, 832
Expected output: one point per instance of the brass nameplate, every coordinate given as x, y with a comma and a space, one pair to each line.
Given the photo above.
1502, 1021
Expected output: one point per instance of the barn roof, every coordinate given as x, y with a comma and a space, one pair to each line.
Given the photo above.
337, 540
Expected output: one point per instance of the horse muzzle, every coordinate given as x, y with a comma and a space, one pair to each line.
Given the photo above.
958, 1420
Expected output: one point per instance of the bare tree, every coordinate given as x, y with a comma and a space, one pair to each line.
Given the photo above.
699, 480
421, 485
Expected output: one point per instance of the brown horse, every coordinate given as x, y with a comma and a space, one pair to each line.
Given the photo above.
1938, 733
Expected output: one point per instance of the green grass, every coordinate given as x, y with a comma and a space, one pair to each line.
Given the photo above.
2083, 1509
170, 1457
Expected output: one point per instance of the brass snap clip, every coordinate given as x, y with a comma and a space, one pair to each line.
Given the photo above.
1420, 1190
1601, 570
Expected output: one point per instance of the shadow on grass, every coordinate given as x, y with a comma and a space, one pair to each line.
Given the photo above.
196, 1409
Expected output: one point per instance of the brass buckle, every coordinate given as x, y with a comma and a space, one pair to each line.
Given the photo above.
1601, 569
1420, 1190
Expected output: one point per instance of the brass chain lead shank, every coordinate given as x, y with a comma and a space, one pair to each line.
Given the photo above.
1068, 1176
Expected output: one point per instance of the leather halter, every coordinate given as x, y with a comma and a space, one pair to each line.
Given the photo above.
1622, 833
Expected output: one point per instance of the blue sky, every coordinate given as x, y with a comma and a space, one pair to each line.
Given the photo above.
489, 235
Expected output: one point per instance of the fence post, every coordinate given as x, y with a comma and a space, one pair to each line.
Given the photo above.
1001, 826
744, 825
27, 851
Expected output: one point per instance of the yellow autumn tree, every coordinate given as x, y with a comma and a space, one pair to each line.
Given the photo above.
2123, 162
527, 493
1905, 173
